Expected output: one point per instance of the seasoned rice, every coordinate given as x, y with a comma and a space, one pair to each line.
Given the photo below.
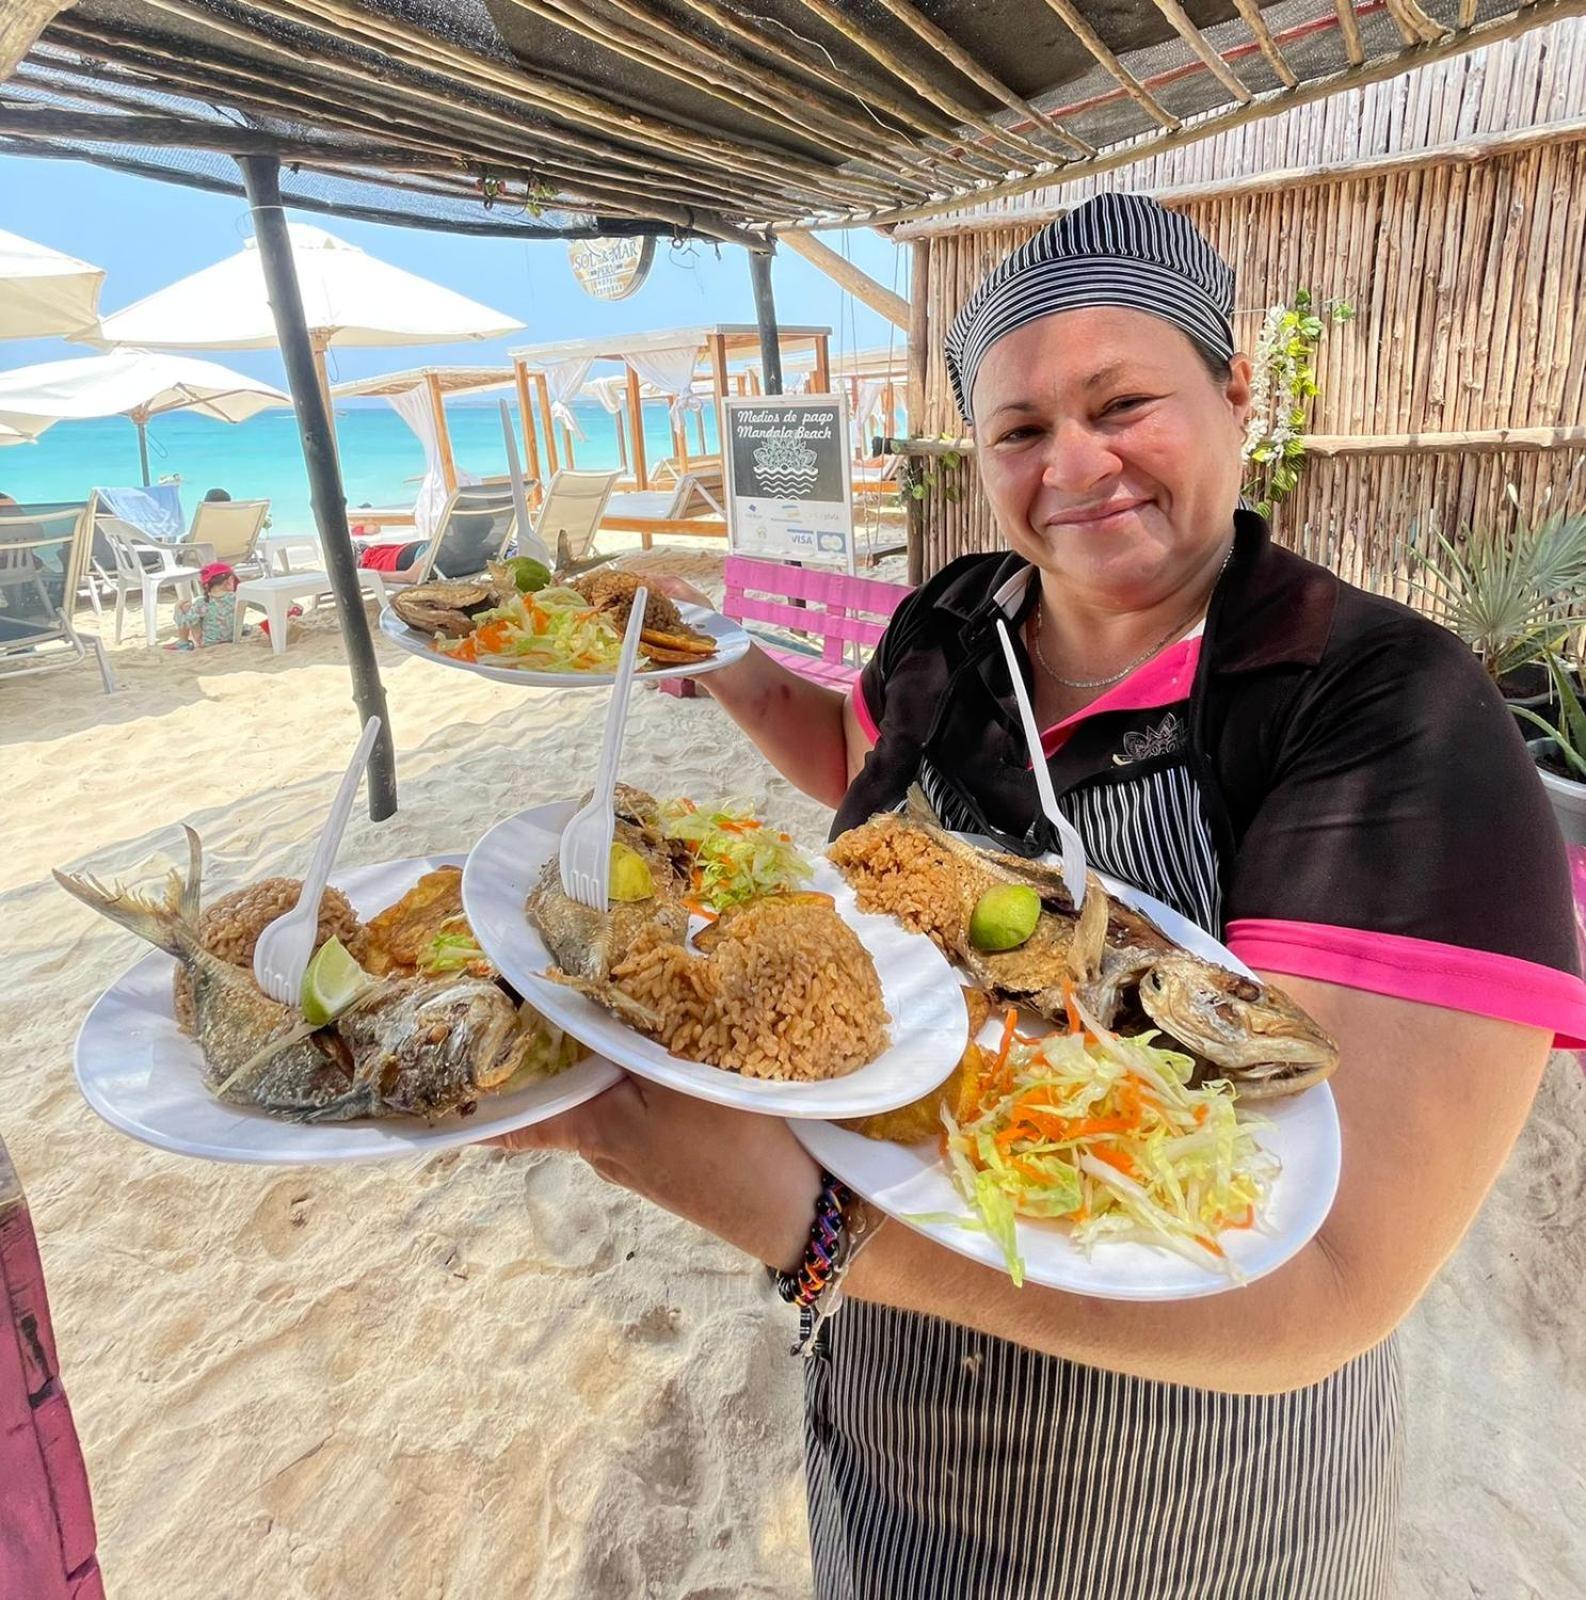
900, 871
788, 991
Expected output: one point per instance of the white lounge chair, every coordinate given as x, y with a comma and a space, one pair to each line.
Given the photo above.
229, 531
43, 554
697, 498
567, 523
474, 530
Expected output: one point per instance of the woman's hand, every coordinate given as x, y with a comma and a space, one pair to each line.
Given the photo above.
739, 1174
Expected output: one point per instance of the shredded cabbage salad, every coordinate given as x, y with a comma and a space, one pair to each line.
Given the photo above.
552, 1051
554, 630
454, 949
736, 857
1105, 1134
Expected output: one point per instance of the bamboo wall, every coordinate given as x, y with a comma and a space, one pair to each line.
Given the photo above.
1466, 282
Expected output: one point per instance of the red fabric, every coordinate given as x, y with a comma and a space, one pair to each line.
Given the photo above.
1461, 979
47, 1535
862, 714
387, 557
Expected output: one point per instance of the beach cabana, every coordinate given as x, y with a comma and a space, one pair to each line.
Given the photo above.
681, 121
686, 367
135, 384
418, 395
43, 292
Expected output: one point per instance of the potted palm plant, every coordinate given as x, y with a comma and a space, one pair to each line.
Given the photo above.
1560, 749
1514, 595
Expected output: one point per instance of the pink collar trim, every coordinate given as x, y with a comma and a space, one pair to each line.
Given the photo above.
1164, 680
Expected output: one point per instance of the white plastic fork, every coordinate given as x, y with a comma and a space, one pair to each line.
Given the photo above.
529, 542
586, 840
1073, 845
286, 946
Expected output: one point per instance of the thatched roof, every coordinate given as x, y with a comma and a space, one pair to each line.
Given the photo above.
687, 117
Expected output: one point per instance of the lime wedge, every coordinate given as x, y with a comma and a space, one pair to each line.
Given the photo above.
331, 984
1004, 917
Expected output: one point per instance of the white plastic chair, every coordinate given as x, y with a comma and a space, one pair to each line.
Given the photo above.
143, 565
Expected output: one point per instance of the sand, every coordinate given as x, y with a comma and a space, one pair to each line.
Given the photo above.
480, 1376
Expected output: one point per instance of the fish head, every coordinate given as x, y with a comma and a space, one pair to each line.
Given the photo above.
1251, 1032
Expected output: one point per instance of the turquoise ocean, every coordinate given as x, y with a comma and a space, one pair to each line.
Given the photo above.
262, 459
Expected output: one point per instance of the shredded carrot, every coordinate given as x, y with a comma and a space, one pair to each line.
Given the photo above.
701, 910
1010, 1018
1118, 1160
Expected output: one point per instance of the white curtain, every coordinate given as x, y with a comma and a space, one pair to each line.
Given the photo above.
865, 407
672, 372
564, 381
413, 406
612, 393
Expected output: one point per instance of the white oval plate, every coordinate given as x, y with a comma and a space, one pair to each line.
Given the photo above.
142, 1074
732, 645
928, 1027
908, 1181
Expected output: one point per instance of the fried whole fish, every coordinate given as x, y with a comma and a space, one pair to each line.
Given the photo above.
587, 944
1124, 971
425, 1046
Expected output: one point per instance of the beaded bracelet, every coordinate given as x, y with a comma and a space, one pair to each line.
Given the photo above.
821, 1255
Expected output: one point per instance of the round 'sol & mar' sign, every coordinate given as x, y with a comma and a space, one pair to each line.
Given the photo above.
611, 269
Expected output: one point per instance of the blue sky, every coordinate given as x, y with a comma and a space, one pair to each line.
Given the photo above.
146, 234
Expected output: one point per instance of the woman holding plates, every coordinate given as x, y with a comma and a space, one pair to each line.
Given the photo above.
1322, 779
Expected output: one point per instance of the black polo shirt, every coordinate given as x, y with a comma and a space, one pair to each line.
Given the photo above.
1323, 778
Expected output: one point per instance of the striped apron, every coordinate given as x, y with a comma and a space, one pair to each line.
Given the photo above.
945, 1464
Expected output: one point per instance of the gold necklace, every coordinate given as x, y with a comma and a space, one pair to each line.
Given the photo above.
1140, 660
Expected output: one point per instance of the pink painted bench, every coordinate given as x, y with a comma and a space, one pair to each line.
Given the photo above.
836, 609
47, 1536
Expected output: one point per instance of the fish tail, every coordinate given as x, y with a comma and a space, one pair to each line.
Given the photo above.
919, 809
169, 922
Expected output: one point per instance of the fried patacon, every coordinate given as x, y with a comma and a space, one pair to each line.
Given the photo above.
397, 939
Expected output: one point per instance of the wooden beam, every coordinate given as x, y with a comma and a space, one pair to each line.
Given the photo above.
21, 23
1480, 441
716, 346
641, 470
1262, 34
1413, 23
821, 377
1074, 20
1197, 41
443, 434
531, 444
262, 177
1350, 28
542, 392
1468, 152
847, 276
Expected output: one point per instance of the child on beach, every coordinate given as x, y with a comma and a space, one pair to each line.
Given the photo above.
210, 618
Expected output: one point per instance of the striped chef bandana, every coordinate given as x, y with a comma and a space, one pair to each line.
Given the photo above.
1115, 250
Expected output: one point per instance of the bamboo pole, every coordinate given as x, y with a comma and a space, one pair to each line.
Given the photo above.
542, 392
261, 177
1074, 20
951, 51
853, 279
358, 104
641, 471
1262, 34
531, 445
1413, 23
21, 23
705, 73
875, 95
443, 434
859, 33
1196, 40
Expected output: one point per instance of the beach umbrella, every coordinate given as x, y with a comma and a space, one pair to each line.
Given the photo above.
43, 292
350, 299
136, 384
